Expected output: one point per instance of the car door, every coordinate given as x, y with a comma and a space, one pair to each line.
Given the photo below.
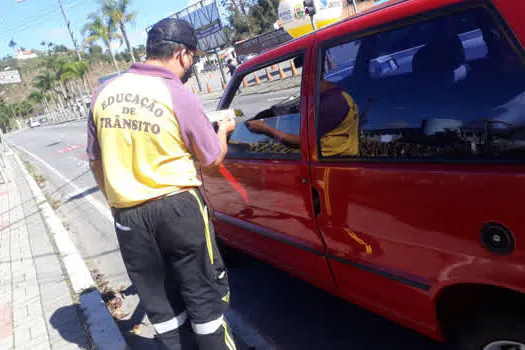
427, 151
261, 194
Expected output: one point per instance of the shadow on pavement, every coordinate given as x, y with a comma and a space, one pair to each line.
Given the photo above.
305, 317
66, 321
135, 341
83, 194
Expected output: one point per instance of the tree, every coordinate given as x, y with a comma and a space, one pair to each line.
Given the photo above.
12, 44
38, 98
99, 28
140, 51
22, 108
71, 71
44, 82
60, 48
119, 15
95, 50
5, 117
249, 18
49, 46
263, 15
74, 70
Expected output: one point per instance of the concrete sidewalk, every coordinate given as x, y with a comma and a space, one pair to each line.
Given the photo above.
37, 310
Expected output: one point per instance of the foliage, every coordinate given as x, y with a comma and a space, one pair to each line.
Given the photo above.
118, 14
246, 19
73, 70
44, 82
99, 27
60, 48
55, 79
5, 117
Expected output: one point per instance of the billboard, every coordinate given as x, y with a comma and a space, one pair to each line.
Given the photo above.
262, 43
10, 77
204, 17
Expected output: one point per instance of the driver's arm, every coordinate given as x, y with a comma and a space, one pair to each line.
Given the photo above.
260, 127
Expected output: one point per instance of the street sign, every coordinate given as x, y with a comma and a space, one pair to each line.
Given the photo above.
10, 77
204, 16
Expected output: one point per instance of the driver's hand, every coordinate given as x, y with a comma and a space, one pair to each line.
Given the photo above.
228, 125
257, 126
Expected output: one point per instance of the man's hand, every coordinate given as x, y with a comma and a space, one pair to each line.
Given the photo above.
227, 125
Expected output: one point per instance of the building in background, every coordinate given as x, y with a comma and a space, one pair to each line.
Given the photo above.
24, 54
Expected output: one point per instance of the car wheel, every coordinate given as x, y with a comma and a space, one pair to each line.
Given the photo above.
492, 330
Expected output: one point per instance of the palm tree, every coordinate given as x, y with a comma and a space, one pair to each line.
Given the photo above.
38, 97
44, 83
12, 44
49, 46
44, 45
72, 72
99, 29
75, 70
118, 13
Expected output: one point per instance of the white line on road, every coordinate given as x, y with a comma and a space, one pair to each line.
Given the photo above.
249, 334
105, 211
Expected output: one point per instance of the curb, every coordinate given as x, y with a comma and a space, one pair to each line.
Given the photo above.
101, 325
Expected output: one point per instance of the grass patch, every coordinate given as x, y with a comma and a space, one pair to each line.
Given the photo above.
39, 178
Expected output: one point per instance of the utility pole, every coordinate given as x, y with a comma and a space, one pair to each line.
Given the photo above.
355, 6
311, 9
220, 65
68, 24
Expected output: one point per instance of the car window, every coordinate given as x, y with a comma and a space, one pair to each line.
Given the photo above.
339, 61
269, 100
452, 87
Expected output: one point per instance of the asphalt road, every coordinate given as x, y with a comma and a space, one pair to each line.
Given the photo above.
270, 309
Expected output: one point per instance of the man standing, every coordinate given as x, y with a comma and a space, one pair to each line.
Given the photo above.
145, 131
231, 67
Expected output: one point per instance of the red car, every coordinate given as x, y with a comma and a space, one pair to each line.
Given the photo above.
383, 159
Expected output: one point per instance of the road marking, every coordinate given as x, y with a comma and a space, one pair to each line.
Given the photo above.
105, 211
246, 331
70, 148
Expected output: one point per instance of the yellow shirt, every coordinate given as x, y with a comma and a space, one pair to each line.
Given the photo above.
343, 140
146, 127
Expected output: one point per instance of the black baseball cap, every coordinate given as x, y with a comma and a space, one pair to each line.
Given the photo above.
174, 30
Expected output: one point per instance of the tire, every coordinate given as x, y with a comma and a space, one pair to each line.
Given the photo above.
491, 330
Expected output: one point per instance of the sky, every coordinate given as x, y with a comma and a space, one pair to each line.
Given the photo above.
30, 22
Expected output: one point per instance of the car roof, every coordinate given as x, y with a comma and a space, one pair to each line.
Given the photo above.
376, 15
296, 41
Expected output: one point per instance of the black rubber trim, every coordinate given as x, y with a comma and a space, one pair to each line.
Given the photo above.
382, 273
268, 233
294, 242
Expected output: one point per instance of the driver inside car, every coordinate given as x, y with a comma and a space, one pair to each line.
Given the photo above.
338, 124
